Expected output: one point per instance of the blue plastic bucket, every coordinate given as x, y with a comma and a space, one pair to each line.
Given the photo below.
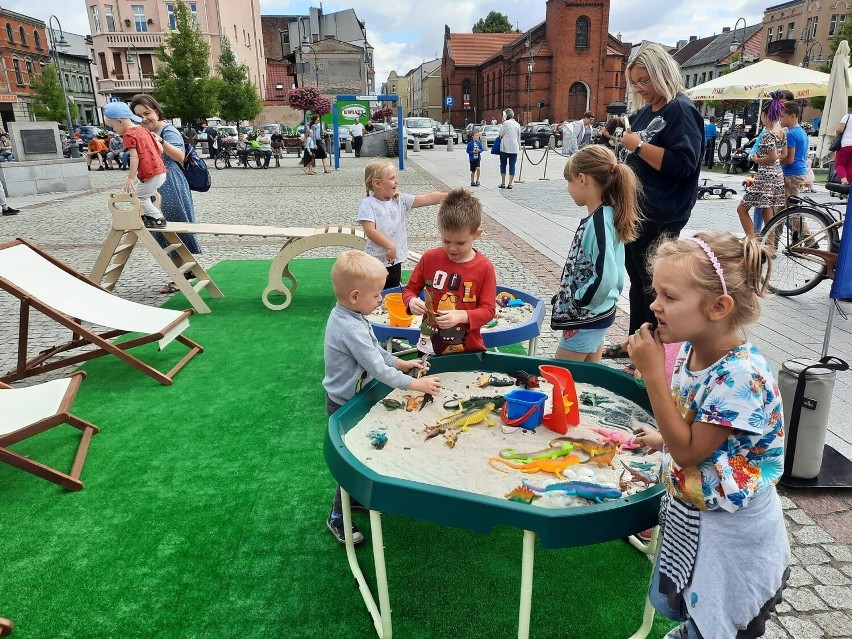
523, 408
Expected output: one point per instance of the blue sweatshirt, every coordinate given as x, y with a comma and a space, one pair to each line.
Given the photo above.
471, 156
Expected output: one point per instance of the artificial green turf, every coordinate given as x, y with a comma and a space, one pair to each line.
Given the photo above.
203, 512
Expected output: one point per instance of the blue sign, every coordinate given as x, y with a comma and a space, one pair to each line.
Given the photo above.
448, 101
841, 288
115, 99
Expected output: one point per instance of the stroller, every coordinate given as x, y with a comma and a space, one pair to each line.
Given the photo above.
833, 185
738, 161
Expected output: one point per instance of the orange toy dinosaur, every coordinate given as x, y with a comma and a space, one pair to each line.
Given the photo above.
556, 466
599, 453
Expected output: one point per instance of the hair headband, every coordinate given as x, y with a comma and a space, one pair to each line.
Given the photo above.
713, 260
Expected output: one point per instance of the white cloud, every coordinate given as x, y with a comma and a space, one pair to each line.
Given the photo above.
71, 14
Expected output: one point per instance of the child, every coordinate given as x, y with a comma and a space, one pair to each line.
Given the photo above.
352, 353
382, 216
809, 176
459, 279
592, 278
767, 189
474, 154
724, 558
147, 172
309, 158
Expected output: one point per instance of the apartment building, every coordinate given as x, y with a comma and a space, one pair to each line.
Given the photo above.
23, 46
127, 33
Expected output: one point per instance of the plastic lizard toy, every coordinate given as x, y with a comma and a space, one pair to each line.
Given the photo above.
462, 420
625, 441
553, 452
585, 489
556, 466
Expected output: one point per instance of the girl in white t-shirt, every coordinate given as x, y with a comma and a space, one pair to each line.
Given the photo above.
382, 215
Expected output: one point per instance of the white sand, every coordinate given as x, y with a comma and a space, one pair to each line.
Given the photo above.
407, 454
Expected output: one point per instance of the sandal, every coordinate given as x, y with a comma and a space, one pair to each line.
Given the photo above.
169, 289
614, 351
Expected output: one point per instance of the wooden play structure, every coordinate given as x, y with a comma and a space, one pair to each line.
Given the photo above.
127, 230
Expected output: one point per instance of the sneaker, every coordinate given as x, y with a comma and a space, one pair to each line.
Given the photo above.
100, 168
10, 211
335, 526
678, 633
153, 222
473, 183
477, 183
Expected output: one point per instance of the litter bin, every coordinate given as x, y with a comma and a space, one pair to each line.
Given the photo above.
806, 389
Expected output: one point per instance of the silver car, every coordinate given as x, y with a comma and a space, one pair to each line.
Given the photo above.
488, 134
420, 128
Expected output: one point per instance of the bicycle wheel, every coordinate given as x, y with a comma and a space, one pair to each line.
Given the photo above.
789, 237
222, 161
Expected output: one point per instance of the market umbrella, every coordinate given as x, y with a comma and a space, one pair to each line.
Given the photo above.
757, 81
836, 99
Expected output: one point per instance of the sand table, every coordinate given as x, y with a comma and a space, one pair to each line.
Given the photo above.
407, 454
508, 316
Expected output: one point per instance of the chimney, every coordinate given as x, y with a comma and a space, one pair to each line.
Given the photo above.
681, 44
693, 38
726, 29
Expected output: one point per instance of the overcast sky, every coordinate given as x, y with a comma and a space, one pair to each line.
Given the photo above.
406, 34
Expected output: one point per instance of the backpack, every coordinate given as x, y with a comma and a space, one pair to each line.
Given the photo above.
195, 170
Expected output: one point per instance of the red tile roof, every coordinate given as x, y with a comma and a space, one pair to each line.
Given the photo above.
470, 49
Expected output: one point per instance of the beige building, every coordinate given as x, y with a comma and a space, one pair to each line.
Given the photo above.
799, 32
126, 34
397, 85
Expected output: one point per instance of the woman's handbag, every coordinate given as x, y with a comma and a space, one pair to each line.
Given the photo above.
495, 147
835, 143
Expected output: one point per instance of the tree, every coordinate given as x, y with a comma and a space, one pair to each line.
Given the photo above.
182, 83
238, 98
494, 22
48, 99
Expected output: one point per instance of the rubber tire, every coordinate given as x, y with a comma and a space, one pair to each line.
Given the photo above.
704, 195
725, 155
221, 161
536, 144
812, 275
727, 194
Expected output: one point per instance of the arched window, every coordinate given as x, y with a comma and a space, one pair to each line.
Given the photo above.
23, 35
10, 35
581, 33
30, 75
37, 39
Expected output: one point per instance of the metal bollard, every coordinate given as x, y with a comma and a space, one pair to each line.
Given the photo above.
416, 145
551, 142
450, 143
349, 145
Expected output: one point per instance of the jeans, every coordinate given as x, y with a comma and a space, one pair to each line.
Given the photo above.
661, 604
635, 263
511, 158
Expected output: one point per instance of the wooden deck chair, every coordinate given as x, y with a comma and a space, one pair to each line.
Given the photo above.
29, 411
68, 297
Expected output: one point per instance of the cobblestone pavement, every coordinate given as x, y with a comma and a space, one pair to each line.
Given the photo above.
527, 232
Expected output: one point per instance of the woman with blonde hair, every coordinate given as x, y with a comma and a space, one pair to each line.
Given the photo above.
666, 143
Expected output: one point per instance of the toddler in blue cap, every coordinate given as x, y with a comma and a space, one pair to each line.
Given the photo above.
146, 172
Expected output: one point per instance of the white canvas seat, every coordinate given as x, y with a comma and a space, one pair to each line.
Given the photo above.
26, 412
70, 298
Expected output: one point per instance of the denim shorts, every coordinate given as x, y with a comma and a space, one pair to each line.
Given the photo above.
584, 340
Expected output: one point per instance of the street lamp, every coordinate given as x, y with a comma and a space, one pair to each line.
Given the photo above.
741, 44
530, 66
807, 59
55, 45
306, 44
138, 63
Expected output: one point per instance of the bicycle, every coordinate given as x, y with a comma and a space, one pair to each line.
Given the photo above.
803, 240
250, 159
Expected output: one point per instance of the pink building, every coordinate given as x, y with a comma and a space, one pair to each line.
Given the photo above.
126, 34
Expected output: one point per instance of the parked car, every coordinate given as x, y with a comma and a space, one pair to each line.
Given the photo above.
489, 133
538, 135
270, 128
344, 134
420, 128
444, 132
227, 134
380, 126
469, 129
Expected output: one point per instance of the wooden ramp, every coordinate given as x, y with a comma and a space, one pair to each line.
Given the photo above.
128, 230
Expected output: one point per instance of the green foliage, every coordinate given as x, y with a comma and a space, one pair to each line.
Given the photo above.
494, 22
182, 83
48, 100
238, 98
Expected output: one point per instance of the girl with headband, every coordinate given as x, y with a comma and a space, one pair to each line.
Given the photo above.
724, 557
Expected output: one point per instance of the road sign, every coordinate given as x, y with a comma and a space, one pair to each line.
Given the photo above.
448, 101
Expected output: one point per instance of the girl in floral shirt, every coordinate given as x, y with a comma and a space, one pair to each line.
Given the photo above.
724, 558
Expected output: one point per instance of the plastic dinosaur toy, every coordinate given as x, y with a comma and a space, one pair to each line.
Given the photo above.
643, 465
556, 466
472, 402
553, 452
625, 441
451, 438
525, 379
391, 404
639, 475
522, 494
490, 380
599, 453
412, 402
466, 418
585, 489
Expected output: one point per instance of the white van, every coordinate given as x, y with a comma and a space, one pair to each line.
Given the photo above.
420, 128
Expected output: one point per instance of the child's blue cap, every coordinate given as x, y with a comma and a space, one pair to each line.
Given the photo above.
120, 111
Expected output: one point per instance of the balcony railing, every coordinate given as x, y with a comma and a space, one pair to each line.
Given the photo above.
137, 39
125, 85
781, 47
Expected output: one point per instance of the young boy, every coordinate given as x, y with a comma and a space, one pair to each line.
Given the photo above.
459, 280
474, 155
352, 353
147, 172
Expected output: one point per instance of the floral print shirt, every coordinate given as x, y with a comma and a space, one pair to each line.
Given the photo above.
738, 392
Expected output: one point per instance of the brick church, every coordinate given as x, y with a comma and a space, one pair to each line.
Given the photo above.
557, 70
